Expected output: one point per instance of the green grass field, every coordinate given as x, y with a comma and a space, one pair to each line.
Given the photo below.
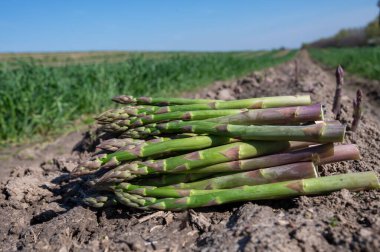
361, 61
41, 95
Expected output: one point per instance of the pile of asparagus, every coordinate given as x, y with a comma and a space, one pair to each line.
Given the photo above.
175, 153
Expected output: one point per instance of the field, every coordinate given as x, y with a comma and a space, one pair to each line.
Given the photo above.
40, 206
41, 93
361, 61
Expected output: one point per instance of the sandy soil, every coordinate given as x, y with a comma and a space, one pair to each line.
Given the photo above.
36, 212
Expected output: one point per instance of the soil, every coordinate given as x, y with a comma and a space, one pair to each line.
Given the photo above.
36, 212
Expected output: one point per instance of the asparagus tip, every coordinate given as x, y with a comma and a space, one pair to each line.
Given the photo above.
357, 104
339, 73
124, 99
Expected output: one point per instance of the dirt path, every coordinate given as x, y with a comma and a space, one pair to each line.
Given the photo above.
35, 213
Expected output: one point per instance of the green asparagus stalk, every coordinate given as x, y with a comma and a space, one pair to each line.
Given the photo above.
131, 122
183, 115
115, 144
271, 116
145, 150
320, 154
320, 132
158, 101
187, 144
253, 103
286, 115
310, 186
156, 192
357, 104
256, 177
167, 179
201, 158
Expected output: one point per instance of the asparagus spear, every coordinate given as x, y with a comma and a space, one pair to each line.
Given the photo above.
339, 73
253, 103
167, 179
159, 101
135, 192
286, 115
201, 158
357, 104
320, 154
184, 115
146, 150
122, 125
270, 116
310, 186
115, 144
321, 132
187, 144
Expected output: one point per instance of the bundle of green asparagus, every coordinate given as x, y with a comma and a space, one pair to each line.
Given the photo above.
175, 153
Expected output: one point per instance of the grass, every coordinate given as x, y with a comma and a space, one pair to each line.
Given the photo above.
37, 99
361, 61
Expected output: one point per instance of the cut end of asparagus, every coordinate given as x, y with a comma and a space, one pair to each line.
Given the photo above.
293, 171
312, 112
333, 132
342, 153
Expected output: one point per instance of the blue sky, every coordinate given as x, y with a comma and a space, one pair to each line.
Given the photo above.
67, 25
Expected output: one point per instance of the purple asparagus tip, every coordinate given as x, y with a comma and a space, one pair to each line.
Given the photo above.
359, 96
338, 92
339, 73
357, 104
